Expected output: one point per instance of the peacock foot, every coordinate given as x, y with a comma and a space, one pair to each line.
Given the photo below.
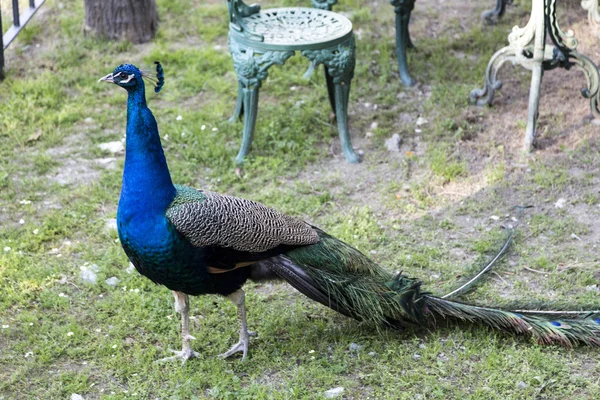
242, 346
182, 355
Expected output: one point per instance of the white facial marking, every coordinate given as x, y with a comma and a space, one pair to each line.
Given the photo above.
128, 79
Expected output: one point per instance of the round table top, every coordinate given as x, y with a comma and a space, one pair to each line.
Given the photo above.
296, 28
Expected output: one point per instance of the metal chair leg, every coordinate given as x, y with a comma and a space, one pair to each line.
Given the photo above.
250, 106
403, 9
239, 105
341, 93
330, 89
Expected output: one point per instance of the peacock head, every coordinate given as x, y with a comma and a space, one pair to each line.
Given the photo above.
130, 77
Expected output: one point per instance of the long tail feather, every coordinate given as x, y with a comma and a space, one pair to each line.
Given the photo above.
467, 286
566, 330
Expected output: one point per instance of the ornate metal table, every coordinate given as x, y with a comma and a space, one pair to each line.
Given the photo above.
527, 47
260, 39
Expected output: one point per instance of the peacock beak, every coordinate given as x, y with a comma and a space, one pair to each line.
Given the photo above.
108, 78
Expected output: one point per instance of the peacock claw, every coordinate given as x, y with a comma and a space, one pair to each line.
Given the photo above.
182, 355
242, 346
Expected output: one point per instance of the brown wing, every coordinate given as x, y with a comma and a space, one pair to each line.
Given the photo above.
219, 220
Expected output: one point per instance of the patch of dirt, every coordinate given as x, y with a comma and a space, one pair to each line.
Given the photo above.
76, 167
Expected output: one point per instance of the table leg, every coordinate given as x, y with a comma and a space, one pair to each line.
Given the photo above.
527, 47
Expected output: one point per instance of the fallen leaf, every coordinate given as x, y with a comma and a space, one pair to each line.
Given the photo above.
34, 136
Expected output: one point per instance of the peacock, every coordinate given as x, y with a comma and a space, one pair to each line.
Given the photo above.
198, 242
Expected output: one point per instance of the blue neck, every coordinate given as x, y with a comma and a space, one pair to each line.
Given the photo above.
147, 186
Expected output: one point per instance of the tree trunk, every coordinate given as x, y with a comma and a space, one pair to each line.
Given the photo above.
133, 20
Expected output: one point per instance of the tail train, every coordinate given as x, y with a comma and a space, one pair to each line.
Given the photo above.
342, 278
564, 330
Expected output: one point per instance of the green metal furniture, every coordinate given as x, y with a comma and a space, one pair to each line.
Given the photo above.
259, 39
494, 15
403, 10
527, 47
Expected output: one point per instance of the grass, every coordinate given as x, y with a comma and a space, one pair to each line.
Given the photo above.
425, 210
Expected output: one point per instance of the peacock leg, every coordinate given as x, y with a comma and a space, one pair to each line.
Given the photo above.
182, 306
239, 299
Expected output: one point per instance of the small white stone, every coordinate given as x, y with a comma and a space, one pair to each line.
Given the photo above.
98, 330
7, 249
130, 268
36, 231
25, 202
374, 125
179, 118
593, 288
215, 129
421, 121
21, 221
495, 217
106, 162
183, 134
76, 396
29, 354
112, 147
355, 347
110, 224
418, 130
88, 276
560, 203
292, 88
62, 295
393, 143
203, 127
5, 326
166, 138
112, 281
114, 346
70, 333
335, 392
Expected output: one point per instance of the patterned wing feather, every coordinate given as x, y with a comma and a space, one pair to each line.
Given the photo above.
212, 219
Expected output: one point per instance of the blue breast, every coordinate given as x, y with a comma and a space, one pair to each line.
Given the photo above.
158, 252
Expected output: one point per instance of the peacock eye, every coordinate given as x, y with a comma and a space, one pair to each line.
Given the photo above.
123, 75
